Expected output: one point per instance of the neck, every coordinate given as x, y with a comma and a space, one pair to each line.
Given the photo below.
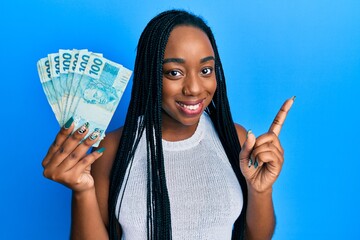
173, 130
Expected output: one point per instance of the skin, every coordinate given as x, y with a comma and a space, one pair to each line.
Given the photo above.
188, 78
189, 84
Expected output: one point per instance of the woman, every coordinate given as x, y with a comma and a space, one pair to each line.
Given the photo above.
176, 169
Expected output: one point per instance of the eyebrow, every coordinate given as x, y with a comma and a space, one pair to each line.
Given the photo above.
180, 60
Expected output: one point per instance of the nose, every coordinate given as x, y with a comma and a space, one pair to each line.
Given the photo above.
192, 85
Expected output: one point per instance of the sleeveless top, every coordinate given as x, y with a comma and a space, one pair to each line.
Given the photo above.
205, 195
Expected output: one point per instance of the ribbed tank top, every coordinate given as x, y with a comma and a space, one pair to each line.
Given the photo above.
205, 196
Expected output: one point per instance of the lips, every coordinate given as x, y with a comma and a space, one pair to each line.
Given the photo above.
191, 107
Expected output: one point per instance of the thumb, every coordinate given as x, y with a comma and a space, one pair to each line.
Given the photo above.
247, 148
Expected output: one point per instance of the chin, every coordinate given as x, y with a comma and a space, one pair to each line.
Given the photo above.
181, 119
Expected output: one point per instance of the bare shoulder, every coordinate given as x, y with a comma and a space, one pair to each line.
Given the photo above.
241, 132
101, 168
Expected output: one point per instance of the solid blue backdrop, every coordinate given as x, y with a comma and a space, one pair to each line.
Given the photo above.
271, 50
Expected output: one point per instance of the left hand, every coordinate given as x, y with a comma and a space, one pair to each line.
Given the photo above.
261, 158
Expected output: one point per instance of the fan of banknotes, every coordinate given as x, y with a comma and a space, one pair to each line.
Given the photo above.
83, 85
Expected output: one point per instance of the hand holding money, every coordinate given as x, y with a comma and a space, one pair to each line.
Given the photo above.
84, 86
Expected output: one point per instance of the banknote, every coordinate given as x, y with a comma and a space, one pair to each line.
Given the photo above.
47, 85
55, 78
70, 75
99, 92
79, 69
64, 66
83, 85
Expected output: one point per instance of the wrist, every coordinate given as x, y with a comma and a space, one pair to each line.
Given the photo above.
84, 194
255, 192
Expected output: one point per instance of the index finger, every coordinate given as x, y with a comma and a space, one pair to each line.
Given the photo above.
60, 138
281, 116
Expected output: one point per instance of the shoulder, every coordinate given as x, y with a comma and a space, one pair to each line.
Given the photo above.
241, 132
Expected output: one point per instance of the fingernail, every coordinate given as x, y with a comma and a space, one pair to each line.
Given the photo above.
249, 163
293, 98
101, 150
68, 123
95, 134
256, 164
83, 128
248, 132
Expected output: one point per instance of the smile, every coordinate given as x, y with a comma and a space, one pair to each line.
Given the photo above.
190, 107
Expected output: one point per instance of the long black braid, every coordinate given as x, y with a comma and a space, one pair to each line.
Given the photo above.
144, 114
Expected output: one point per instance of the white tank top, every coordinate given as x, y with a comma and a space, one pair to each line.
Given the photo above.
205, 195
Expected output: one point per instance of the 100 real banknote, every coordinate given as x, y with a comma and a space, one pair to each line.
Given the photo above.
83, 85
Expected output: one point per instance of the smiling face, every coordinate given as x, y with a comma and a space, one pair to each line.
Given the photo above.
189, 81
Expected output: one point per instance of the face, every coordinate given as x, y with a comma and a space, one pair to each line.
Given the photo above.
189, 81
95, 96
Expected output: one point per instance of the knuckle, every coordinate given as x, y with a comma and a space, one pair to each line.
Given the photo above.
55, 144
282, 151
46, 173
55, 177
87, 143
86, 160
278, 121
89, 159
283, 110
63, 151
76, 137
73, 155
44, 163
51, 175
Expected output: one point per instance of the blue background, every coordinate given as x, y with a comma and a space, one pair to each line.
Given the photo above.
271, 50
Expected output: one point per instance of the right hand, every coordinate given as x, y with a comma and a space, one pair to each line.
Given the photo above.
67, 161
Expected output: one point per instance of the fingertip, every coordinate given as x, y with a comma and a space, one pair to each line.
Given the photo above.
250, 135
248, 132
96, 134
68, 123
292, 100
250, 139
100, 150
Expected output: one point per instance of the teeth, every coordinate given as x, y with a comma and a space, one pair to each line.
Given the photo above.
190, 107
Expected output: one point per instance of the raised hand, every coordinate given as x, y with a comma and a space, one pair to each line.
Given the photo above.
261, 158
67, 161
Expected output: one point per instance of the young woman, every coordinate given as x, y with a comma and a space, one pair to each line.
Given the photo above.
176, 170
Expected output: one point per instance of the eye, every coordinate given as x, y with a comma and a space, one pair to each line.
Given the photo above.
207, 71
173, 73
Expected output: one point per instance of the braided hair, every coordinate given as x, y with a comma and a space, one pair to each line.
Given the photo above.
145, 116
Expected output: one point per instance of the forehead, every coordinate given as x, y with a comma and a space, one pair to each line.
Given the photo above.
188, 39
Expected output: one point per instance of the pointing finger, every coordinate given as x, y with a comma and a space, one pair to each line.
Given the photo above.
281, 116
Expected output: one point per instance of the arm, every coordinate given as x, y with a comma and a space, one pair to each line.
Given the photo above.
68, 163
261, 160
84, 221
260, 216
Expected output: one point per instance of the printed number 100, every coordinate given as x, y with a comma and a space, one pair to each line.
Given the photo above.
95, 67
